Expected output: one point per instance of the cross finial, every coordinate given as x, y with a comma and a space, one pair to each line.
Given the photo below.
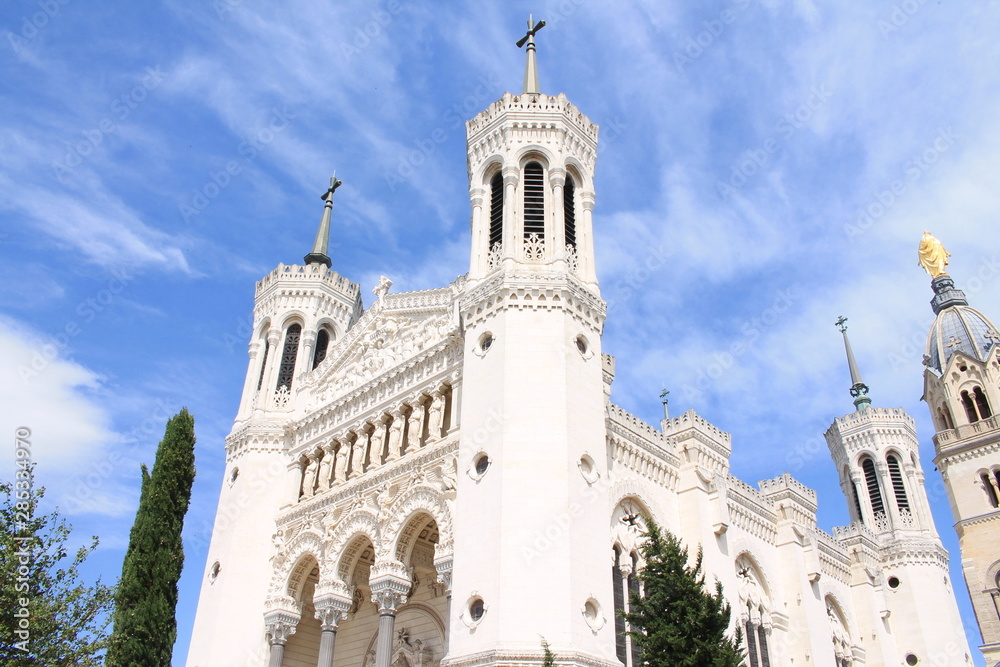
531, 68
334, 184
322, 242
841, 323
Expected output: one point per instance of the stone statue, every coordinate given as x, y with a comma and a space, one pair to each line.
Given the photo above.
396, 436
415, 427
435, 417
932, 256
309, 478
325, 469
358, 460
340, 471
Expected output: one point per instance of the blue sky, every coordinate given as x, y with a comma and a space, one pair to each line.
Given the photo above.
158, 158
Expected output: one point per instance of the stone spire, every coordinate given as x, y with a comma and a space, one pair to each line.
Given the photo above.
531, 86
318, 254
859, 390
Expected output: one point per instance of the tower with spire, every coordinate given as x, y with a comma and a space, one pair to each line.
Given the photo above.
896, 554
962, 390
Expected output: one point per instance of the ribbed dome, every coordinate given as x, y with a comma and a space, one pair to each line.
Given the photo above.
959, 327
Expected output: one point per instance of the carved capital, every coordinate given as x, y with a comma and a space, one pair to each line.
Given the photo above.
390, 584
331, 609
511, 174
281, 618
557, 177
444, 571
477, 195
273, 336
587, 200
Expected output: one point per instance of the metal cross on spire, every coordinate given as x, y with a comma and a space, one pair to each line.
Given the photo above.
859, 390
322, 242
531, 67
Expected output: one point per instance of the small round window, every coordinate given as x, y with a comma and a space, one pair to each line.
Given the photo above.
476, 609
482, 464
213, 574
485, 342
911, 659
581, 344
893, 582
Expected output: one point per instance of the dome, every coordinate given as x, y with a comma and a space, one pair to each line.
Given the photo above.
959, 328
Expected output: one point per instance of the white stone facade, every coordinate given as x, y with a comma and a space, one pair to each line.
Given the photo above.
446, 480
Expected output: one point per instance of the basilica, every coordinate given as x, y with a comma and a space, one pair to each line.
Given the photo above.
444, 478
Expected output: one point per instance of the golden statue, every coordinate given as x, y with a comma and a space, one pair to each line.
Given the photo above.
932, 255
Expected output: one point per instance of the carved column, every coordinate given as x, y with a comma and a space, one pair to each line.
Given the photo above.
330, 610
435, 416
389, 597
280, 626
361, 447
325, 468
303, 363
396, 434
309, 477
585, 238
444, 570
415, 425
272, 362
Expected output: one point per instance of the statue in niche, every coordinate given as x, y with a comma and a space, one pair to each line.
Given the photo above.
325, 468
340, 471
415, 426
309, 478
358, 460
435, 416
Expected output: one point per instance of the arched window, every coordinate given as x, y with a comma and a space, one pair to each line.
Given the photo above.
981, 403
946, 421
755, 604
569, 210
322, 343
534, 200
898, 488
496, 211
970, 408
288, 355
871, 481
619, 595
263, 362
991, 493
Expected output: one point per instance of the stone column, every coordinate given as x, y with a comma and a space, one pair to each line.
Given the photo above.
330, 610
388, 598
585, 238
303, 363
435, 416
557, 179
511, 240
294, 489
480, 235
280, 626
396, 434
444, 570
272, 361
415, 425
250, 384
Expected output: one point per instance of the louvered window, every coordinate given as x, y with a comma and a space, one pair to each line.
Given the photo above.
752, 645
874, 492
898, 488
291, 350
534, 200
263, 363
765, 658
857, 502
322, 343
496, 210
569, 208
633, 590
970, 408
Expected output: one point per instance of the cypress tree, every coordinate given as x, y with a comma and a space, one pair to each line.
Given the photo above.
145, 626
675, 621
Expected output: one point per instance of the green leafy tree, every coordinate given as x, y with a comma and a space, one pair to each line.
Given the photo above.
51, 618
550, 659
676, 622
145, 624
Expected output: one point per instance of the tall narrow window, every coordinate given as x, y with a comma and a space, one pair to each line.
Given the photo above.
291, 350
496, 210
946, 417
898, 488
996, 477
322, 343
982, 404
752, 644
765, 658
619, 595
263, 363
970, 408
874, 492
857, 502
991, 493
633, 589
569, 210
534, 200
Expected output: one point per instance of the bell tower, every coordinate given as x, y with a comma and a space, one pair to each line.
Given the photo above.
962, 391
877, 455
531, 549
